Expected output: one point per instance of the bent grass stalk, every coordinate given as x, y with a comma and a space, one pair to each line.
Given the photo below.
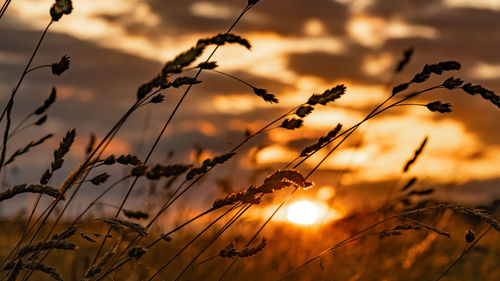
175, 197
126, 259
230, 222
177, 106
88, 165
349, 132
372, 114
170, 202
353, 236
10, 104
461, 256
91, 204
103, 143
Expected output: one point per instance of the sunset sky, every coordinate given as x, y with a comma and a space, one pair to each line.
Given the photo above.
299, 48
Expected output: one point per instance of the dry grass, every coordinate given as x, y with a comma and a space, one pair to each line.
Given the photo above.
401, 240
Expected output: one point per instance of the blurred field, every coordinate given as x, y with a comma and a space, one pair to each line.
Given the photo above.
414, 255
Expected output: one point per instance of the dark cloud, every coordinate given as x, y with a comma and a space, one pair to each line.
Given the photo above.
405, 8
465, 35
285, 18
334, 67
112, 78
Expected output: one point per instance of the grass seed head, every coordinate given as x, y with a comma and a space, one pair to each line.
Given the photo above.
99, 179
265, 95
452, 83
41, 120
304, 110
47, 103
60, 8
400, 88
406, 58
137, 252
61, 66
470, 236
292, 123
135, 214
31, 188
437, 106
327, 96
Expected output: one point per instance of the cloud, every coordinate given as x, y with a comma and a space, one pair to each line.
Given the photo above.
299, 48
347, 66
178, 16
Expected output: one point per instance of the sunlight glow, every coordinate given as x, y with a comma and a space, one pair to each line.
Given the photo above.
211, 10
326, 193
314, 27
273, 154
303, 212
235, 104
478, 4
486, 71
373, 31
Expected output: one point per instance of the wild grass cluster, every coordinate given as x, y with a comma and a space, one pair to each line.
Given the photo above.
127, 244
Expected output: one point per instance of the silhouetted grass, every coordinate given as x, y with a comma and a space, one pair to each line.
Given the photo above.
401, 240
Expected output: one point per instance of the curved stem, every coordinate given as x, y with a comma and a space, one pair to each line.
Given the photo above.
163, 236
166, 125
173, 198
188, 244
233, 77
104, 143
460, 257
259, 231
20, 124
348, 239
376, 111
38, 67
160, 135
11, 100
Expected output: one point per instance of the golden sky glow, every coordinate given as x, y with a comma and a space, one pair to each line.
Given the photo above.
303, 212
285, 61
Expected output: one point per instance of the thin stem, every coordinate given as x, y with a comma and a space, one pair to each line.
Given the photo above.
233, 77
163, 236
6, 133
177, 106
20, 124
372, 114
185, 247
460, 257
24, 234
104, 142
344, 241
202, 262
38, 67
259, 231
406, 104
216, 236
4, 8
172, 199
94, 202
11, 100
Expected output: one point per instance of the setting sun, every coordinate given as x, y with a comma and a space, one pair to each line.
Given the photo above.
303, 212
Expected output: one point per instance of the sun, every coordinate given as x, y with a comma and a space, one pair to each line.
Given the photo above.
303, 212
